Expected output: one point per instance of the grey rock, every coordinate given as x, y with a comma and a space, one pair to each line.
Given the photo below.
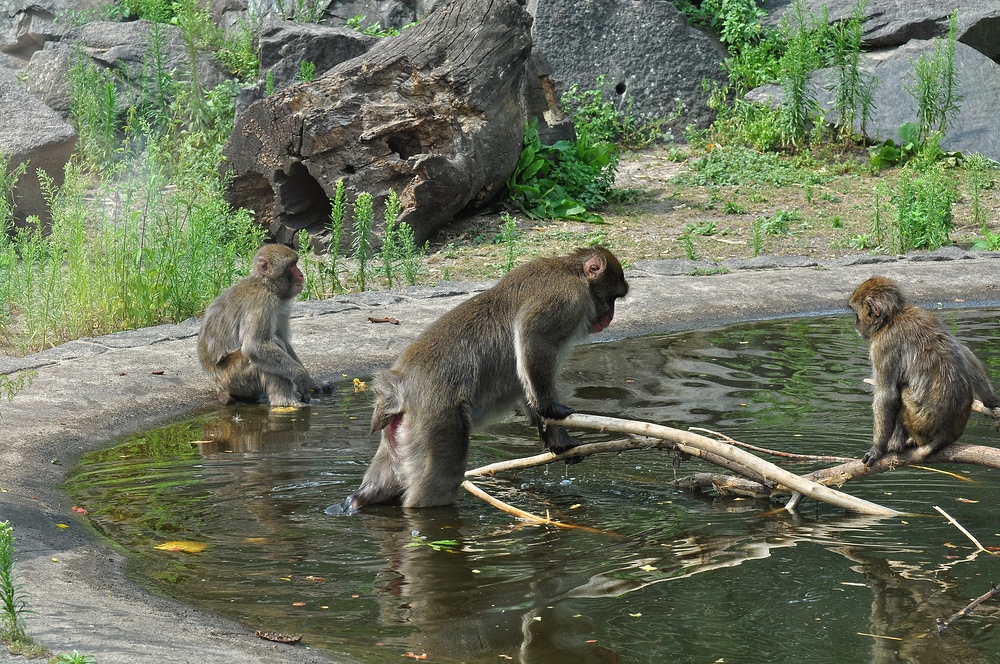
865, 259
26, 25
652, 57
949, 253
891, 23
673, 267
45, 77
32, 133
285, 45
974, 125
769, 262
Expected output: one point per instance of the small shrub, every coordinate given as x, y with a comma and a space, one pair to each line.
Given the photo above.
552, 182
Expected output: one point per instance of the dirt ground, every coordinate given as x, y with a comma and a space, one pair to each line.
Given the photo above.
656, 214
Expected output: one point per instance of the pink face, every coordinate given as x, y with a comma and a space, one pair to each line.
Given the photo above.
298, 279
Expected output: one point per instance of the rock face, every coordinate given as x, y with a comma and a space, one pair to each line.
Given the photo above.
652, 57
891, 23
285, 45
974, 127
436, 114
26, 25
124, 47
32, 132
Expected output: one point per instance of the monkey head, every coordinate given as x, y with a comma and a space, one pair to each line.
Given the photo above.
875, 303
606, 281
278, 266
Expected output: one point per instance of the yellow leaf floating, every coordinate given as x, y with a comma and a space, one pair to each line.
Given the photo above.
182, 546
284, 409
360, 385
61, 525
647, 568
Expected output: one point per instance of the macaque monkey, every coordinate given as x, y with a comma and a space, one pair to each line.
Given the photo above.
477, 361
925, 379
245, 343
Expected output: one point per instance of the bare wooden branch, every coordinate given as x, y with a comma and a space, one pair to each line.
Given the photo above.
519, 513
972, 538
697, 445
763, 450
967, 610
637, 443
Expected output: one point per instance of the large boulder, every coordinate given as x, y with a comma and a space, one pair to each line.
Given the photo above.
33, 133
127, 48
891, 23
285, 45
387, 13
973, 128
436, 114
652, 57
26, 25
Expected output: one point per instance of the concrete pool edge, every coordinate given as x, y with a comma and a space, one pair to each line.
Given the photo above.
88, 392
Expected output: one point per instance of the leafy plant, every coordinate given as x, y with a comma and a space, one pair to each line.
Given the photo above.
923, 202
508, 236
854, 91
592, 111
559, 181
362, 218
375, 29
13, 601
390, 244
307, 72
803, 35
935, 85
410, 255
336, 237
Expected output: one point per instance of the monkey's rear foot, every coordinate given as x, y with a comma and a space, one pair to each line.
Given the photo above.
226, 399
557, 441
871, 456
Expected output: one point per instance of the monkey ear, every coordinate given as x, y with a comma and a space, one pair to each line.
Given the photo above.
594, 267
875, 307
263, 266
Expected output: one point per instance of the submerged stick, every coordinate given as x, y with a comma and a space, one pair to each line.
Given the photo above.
519, 513
696, 445
941, 626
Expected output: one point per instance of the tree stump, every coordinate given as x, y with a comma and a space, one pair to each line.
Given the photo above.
436, 114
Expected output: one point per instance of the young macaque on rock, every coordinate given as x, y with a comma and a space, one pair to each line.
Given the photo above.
925, 379
475, 363
245, 343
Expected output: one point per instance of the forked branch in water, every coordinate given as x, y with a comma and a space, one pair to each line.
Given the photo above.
701, 446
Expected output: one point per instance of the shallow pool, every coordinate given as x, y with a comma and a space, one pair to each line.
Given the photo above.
653, 575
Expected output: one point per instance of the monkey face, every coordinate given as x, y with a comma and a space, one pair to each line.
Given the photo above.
297, 279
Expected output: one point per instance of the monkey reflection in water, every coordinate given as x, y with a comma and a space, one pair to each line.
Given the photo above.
498, 348
245, 342
925, 379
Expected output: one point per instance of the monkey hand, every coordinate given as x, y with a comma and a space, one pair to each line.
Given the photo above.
321, 387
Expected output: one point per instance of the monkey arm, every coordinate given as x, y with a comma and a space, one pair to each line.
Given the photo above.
263, 345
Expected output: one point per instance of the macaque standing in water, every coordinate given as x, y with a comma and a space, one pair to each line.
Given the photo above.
475, 363
925, 379
245, 342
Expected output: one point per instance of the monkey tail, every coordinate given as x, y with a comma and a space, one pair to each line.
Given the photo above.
388, 389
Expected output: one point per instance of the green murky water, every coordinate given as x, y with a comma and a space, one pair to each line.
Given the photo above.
659, 575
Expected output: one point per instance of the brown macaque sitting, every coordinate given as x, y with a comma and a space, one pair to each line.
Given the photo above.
245, 343
925, 379
475, 363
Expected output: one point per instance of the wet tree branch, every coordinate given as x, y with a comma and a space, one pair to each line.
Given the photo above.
700, 446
